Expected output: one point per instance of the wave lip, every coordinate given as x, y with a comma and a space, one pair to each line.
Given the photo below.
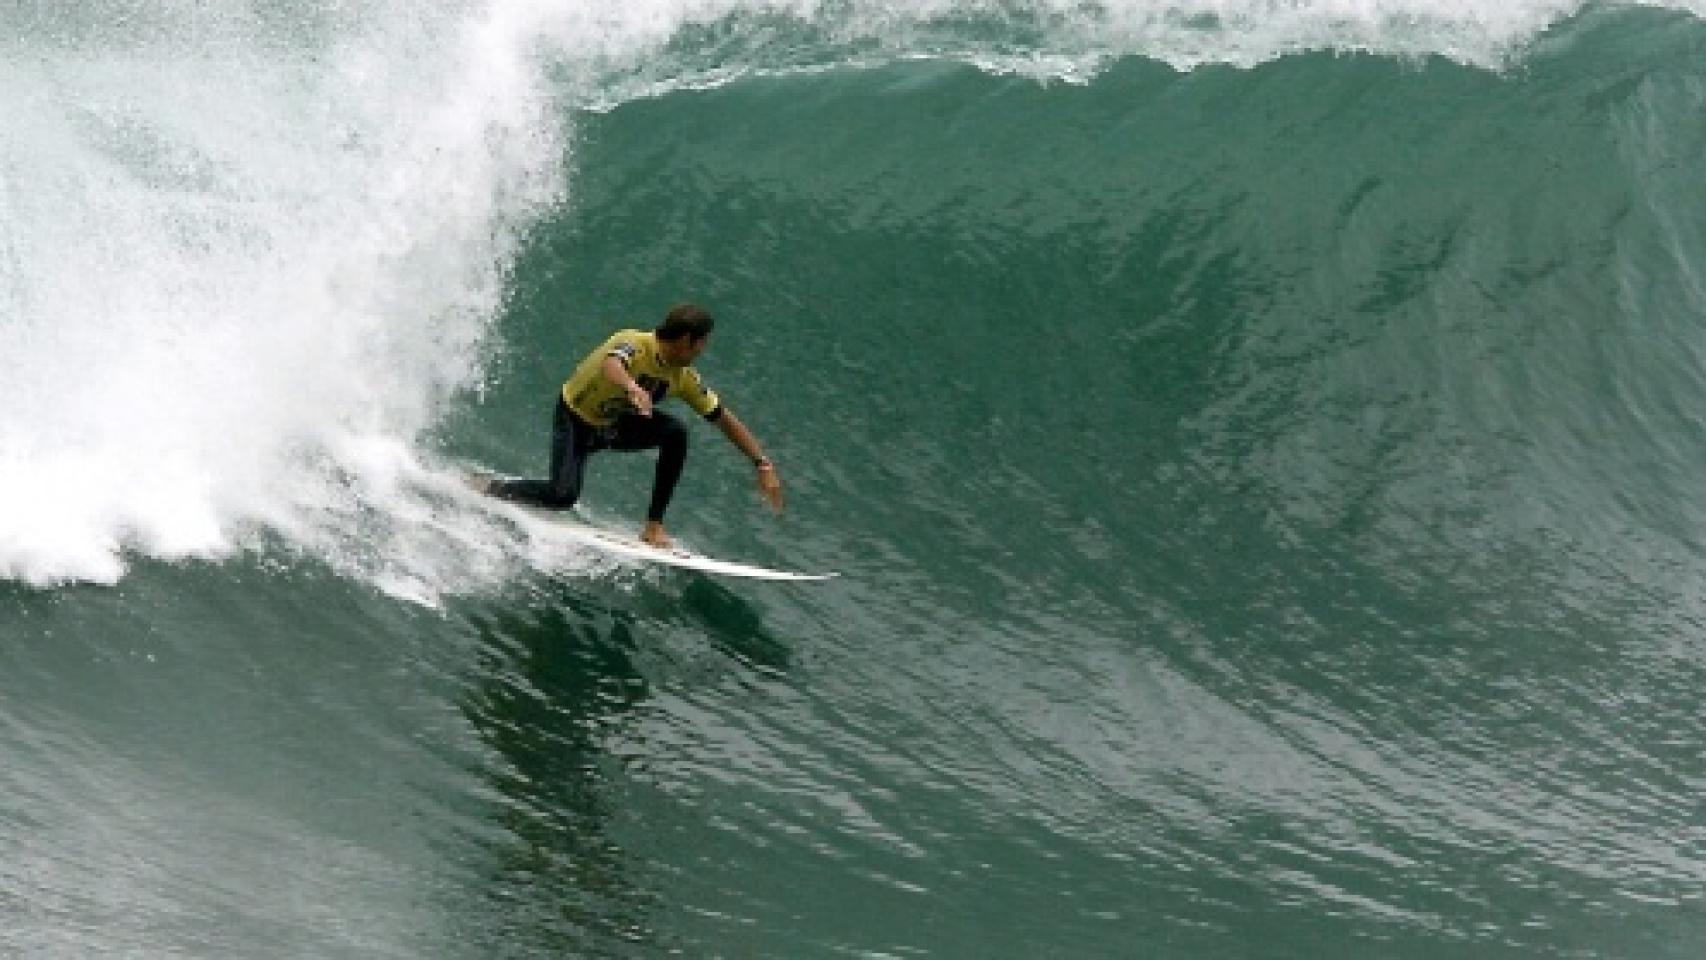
640, 49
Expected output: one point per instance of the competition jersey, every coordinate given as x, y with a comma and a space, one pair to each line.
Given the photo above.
591, 395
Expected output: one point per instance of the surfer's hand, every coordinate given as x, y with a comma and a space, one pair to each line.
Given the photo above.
770, 485
641, 399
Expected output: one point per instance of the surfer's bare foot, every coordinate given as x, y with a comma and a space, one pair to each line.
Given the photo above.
653, 534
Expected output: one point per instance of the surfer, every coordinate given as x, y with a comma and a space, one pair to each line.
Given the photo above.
610, 403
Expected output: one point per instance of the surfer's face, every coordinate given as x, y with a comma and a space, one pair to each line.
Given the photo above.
685, 350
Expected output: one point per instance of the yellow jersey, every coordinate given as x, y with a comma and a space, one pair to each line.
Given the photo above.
593, 398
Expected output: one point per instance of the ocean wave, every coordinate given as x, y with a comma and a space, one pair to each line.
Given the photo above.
239, 248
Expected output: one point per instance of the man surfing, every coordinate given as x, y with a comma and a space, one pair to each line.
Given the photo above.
610, 403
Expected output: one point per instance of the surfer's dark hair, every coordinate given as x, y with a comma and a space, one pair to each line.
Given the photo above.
685, 320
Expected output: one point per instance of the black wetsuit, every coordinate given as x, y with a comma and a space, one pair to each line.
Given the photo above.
573, 440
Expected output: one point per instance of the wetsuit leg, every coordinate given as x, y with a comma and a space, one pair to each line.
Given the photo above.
572, 441
669, 436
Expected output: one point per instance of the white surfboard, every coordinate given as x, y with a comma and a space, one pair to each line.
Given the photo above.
630, 547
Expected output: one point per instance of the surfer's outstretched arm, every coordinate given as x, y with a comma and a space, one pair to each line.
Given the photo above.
769, 481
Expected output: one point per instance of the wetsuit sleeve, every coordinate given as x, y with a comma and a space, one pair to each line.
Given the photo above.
622, 348
695, 394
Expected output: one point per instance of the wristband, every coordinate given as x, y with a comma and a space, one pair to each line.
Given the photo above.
763, 463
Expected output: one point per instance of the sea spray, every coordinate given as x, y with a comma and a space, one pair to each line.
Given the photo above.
229, 260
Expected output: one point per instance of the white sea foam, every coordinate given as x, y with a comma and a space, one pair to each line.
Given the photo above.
1065, 39
230, 264
246, 257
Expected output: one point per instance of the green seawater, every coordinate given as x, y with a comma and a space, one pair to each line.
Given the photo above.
1265, 498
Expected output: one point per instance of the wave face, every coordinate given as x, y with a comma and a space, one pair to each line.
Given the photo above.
1259, 442
252, 258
